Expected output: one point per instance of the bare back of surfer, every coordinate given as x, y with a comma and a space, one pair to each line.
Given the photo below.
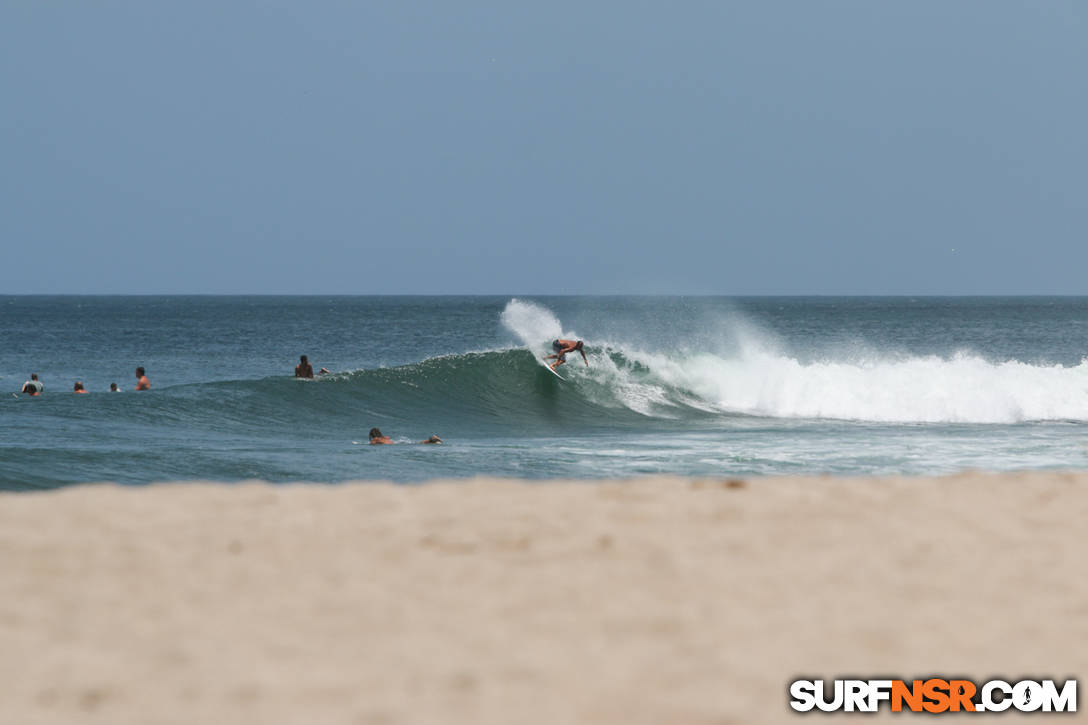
304, 369
562, 347
378, 439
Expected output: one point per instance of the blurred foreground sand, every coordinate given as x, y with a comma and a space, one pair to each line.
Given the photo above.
660, 600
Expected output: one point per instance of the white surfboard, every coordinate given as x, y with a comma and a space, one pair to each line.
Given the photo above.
551, 370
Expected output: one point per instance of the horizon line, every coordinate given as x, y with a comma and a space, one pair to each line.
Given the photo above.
542, 294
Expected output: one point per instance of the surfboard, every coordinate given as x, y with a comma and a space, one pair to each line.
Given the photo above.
551, 370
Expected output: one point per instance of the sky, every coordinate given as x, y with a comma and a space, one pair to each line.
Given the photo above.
472, 147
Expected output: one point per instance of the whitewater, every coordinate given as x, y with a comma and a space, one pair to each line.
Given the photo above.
694, 386
758, 381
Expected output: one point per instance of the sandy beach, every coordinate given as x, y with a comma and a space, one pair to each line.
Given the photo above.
655, 600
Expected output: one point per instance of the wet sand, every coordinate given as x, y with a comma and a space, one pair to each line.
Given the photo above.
659, 600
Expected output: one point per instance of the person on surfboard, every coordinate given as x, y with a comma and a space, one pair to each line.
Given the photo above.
304, 369
562, 347
378, 439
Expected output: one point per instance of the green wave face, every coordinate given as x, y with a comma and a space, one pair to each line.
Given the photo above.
477, 394
231, 430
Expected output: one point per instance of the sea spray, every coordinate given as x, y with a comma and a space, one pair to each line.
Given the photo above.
758, 379
532, 324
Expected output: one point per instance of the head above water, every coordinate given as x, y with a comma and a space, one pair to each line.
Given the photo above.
33, 376
78, 386
139, 372
303, 359
113, 387
375, 433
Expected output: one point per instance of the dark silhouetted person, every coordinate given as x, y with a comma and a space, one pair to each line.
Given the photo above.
304, 369
142, 383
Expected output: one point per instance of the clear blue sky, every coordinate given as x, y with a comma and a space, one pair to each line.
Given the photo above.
564, 147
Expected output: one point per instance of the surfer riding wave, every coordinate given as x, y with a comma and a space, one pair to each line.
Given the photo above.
561, 348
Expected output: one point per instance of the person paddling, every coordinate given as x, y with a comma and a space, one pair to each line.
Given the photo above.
377, 438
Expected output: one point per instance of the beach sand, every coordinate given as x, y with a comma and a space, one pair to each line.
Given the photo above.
659, 600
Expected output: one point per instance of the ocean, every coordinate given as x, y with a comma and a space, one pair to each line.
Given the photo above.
706, 386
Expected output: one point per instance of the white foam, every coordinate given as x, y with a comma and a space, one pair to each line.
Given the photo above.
532, 324
755, 377
962, 389
620, 385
